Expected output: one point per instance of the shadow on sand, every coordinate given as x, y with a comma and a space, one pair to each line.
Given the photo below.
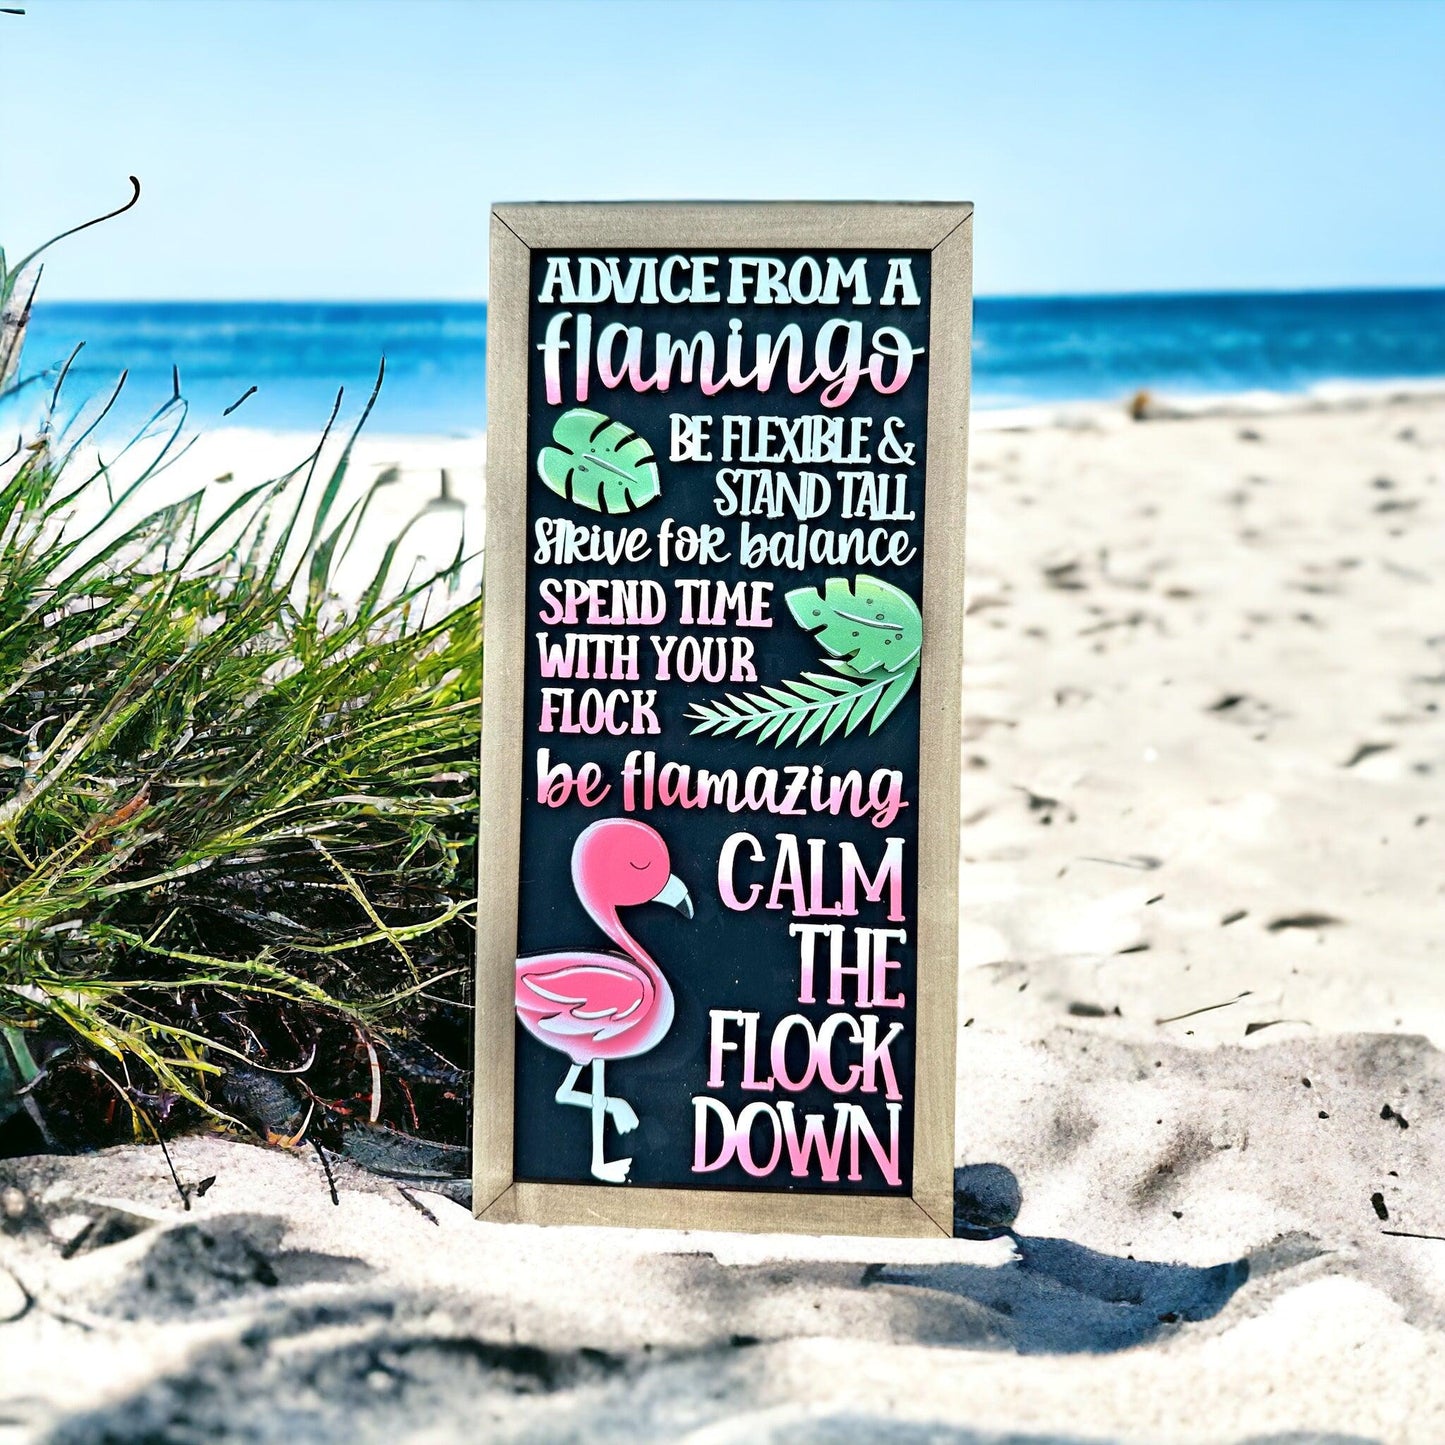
1058, 1297
854, 1429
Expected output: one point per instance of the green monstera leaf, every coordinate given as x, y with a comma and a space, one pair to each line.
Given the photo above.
871, 625
599, 463
874, 633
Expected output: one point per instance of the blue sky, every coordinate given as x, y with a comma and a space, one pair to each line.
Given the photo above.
350, 148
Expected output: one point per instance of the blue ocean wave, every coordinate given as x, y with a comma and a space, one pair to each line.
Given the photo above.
1026, 351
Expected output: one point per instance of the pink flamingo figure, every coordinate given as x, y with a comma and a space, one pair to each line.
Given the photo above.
599, 1006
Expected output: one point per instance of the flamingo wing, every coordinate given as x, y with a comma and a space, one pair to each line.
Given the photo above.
596, 996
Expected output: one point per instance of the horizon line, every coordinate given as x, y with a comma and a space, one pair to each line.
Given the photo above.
1152, 294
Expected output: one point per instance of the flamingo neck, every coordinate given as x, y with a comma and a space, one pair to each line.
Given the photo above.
605, 917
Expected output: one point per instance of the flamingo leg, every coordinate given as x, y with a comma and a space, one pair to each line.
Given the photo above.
624, 1120
569, 1093
610, 1171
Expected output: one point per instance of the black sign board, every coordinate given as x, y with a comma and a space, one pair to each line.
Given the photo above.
720, 762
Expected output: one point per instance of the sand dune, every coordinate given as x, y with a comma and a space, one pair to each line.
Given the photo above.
1201, 1097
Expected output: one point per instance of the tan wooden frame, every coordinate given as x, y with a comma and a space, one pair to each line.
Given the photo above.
947, 231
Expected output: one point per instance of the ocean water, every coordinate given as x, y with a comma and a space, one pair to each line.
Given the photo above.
1026, 351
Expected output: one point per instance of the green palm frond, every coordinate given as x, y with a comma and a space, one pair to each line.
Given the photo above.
874, 632
815, 705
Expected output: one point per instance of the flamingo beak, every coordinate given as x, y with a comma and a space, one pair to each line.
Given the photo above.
675, 895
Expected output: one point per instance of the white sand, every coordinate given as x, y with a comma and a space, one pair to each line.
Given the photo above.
1185, 635
1182, 637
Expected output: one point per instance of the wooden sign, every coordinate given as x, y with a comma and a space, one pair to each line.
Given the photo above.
720, 768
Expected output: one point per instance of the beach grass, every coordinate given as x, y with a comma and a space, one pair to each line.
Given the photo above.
237, 812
